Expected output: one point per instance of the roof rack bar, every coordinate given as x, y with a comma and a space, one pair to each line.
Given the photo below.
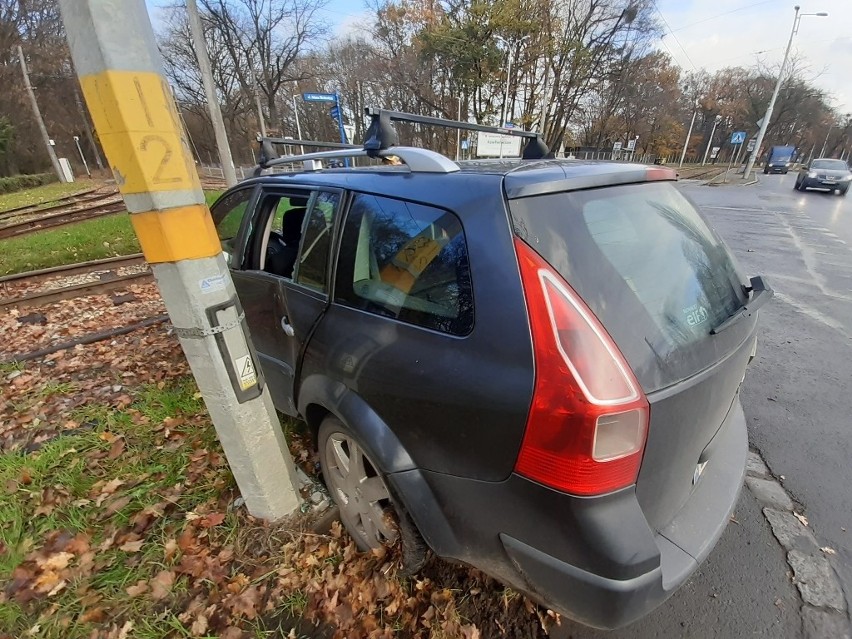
399, 116
382, 135
354, 152
313, 143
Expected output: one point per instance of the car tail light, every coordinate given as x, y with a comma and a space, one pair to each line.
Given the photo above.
588, 421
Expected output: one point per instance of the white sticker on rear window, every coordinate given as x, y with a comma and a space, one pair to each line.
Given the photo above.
696, 314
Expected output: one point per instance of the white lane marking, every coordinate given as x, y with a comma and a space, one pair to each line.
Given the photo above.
812, 313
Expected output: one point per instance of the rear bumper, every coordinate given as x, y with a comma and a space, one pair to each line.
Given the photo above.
595, 560
776, 169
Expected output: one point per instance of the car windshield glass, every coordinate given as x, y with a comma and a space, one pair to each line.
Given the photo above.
833, 165
647, 265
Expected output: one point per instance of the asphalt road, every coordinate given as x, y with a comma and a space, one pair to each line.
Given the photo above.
798, 402
798, 393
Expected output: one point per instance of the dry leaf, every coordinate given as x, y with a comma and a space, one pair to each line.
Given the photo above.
116, 449
213, 519
132, 546
828, 551
162, 584
141, 587
94, 615
801, 518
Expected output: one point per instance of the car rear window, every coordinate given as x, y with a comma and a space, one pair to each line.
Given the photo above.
648, 266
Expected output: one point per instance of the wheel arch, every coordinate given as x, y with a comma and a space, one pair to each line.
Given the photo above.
320, 396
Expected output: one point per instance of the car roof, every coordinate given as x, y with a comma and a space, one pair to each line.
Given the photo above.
520, 178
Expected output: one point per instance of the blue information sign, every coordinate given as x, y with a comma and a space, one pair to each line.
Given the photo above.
738, 137
319, 97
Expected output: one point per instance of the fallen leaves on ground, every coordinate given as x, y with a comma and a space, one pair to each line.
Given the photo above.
119, 517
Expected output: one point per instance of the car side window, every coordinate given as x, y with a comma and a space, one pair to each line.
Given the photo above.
406, 261
228, 214
312, 268
293, 236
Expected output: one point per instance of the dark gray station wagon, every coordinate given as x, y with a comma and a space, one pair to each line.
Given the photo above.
531, 366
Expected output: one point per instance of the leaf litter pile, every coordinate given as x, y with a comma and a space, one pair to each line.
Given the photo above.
119, 516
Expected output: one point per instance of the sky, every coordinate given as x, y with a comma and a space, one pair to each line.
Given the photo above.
719, 33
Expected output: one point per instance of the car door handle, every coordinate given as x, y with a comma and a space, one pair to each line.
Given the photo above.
287, 327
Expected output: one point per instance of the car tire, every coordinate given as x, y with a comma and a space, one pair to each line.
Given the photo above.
357, 486
386, 518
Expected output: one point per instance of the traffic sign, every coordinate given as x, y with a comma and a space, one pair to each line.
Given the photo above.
616, 146
714, 151
738, 137
334, 112
496, 145
631, 144
318, 97
464, 145
751, 145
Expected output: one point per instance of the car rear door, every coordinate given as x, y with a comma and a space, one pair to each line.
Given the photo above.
282, 311
660, 280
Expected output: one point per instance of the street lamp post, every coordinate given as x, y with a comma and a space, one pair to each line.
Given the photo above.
298, 126
503, 110
82, 157
710, 141
765, 123
688, 134
824, 144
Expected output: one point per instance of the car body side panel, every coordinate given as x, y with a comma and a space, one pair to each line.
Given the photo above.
446, 396
262, 300
383, 446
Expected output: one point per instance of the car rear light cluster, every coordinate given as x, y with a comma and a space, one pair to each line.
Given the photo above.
588, 421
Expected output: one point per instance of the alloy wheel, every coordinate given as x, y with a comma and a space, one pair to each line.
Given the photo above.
359, 491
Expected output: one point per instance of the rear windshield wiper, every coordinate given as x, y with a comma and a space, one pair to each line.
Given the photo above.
762, 294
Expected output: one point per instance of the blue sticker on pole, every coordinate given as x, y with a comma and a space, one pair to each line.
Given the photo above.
334, 112
738, 137
319, 97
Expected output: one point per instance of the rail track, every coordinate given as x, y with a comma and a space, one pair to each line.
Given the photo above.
83, 197
104, 277
62, 215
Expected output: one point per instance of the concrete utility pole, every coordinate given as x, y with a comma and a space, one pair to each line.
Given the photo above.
710, 141
260, 119
768, 116
120, 72
87, 129
53, 159
688, 135
225, 158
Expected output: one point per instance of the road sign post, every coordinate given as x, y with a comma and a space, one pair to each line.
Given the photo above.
737, 139
120, 71
335, 111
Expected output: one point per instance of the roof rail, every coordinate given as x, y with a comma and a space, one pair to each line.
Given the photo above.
382, 140
382, 134
417, 160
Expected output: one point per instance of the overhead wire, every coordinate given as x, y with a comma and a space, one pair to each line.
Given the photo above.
668, 26
721, 15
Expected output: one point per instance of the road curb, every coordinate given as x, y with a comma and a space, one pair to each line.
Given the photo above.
824, 612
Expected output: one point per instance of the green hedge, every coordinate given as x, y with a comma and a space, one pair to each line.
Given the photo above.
21, 182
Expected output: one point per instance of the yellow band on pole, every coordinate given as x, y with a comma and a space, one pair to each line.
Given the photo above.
138, 125
173, 234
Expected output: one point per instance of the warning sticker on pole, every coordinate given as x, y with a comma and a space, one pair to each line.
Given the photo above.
246, 372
